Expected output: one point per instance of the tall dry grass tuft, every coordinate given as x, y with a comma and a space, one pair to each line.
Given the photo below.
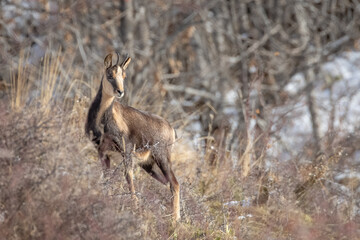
44, 84
20, 83
52, 84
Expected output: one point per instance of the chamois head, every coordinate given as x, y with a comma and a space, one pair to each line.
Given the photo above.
115, 75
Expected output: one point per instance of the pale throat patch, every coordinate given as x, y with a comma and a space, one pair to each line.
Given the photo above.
107, 89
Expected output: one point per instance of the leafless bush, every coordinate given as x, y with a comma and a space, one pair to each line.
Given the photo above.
219, 71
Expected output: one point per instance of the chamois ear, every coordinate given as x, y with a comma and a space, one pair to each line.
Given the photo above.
126, 62
108, 60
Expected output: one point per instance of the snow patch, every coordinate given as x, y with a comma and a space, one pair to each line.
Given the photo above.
336, 98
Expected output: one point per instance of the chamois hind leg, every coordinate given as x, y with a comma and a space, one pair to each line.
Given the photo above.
165, 167
153, 170
175, 190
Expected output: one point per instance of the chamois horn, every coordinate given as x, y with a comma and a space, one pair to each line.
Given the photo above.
118, 58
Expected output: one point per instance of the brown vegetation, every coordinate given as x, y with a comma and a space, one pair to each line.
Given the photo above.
217, 70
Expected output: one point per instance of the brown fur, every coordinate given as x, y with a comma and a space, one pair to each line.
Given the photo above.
131, 132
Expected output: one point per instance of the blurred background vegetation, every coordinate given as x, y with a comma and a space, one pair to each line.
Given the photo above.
264, 95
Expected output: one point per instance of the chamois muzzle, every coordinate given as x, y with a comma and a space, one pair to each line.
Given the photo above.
119, 93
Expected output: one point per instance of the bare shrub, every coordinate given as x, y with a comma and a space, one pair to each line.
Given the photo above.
231, 76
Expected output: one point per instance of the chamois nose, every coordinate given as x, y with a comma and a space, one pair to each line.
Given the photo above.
120, 93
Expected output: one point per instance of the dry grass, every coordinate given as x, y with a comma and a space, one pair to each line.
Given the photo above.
19, 84
51, 82
51, 187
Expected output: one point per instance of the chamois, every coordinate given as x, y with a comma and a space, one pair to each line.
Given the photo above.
112, 126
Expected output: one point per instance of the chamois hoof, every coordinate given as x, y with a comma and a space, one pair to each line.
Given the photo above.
135, 200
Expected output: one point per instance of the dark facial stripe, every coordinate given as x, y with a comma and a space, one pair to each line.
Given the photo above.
114, 85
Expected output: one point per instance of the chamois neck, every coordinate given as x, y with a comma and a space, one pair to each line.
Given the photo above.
106, 99
106, 102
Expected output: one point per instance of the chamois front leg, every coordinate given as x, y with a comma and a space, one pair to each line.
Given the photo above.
106, 144
105, 162
129, 175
